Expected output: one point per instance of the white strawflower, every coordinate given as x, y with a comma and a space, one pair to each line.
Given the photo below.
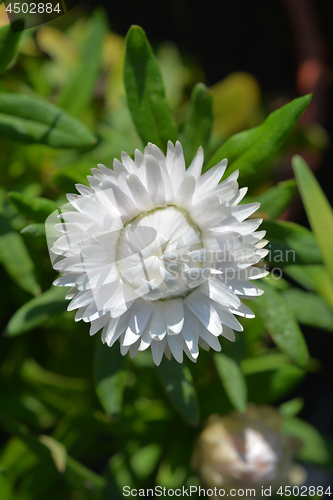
158, 255
244, 450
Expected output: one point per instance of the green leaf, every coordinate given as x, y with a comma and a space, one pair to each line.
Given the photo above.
145, 92
233, 380
270, 377
77, 93
9, 42
198, 126
177, 381
309, 308
16, 259
32, 207
290, 243
37, 311
264, 363
6, 491
35, 230
144, 461
110, 374
291, 408
313, 278
57, 450
30, 120
75, 473
318, 209
274, 201
236, 103
249, 150
316, 448
36, 375
282, 325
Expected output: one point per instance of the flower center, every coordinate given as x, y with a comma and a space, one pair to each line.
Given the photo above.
160, 254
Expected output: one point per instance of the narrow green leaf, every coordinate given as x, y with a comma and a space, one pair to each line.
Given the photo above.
318, 209
290, 243
198, 125
38, 310
313, 278
282, 325
309, 308
274, 201
9, 42
177, 381
78, 91
145, 92
249, 150
35, 230
316, 448
291, 408
234, 147
110, 374
233, 380
36, 375
264, 363
30, 120
16, 259
57, 450
32, 207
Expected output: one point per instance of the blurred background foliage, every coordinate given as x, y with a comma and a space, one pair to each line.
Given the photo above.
77, 420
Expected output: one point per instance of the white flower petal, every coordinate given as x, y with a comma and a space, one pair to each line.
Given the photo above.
157, 349
204, 310
174, 314
175, 343
196, 166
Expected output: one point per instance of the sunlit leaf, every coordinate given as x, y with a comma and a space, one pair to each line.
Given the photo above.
33, 207
30, 120
77, 93
145, 92
38, 310
178, 383
291, 408
275, 200
198, 126
9, 42
58, 451
145, 460
15, 258
318, 209
281, 324
290, 243
309, 308
232, 379
235, 103
110, 374
249, 150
